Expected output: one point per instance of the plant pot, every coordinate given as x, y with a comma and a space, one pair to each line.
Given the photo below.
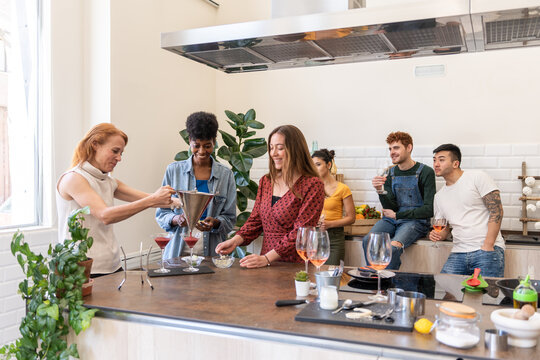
302, 288
87, 288
87, 268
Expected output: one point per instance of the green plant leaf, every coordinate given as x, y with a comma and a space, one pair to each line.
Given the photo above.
255, 124
242, 218
234, 117
242, 161
185, 136
241, 201
250, 191
232, 124
249, 116
228, 139
224, 153
248, 134
182, 155
241, 179
255, 147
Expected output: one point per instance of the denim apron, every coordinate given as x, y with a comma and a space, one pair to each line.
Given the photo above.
406, 190
405, 231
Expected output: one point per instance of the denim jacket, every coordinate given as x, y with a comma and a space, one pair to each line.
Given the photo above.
181, 176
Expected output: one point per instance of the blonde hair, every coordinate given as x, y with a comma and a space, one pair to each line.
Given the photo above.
297, 159
99, 134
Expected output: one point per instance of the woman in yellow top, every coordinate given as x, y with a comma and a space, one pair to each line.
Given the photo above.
338, 198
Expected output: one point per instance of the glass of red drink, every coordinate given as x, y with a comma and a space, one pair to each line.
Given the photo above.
191, 238
162, 239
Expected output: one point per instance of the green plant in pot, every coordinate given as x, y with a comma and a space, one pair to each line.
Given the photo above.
301, 282
239, 151
52, 290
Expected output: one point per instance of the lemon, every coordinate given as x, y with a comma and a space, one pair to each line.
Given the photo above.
423, 326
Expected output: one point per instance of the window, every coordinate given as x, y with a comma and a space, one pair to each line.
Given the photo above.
20, 127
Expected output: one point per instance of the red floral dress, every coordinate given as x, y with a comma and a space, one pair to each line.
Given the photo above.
280, 222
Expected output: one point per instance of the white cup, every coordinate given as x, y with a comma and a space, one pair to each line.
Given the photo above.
329, 298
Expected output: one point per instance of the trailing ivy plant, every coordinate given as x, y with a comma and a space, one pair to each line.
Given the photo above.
239, 151
52, 289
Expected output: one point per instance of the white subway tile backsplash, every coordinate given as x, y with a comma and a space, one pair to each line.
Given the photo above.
511, 162
525, 149
9, 318
366, 163
471, 150
532, 163
10, 334
344, 163
509, 186
497, 174
354, 151
13, 272
484, 163
424, 151
376, 151
13, 303
498, 149
512, 211
353, 174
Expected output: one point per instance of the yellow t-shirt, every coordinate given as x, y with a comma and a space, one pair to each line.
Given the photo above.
333, 205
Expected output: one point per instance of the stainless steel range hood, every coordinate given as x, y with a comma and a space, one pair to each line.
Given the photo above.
423, 28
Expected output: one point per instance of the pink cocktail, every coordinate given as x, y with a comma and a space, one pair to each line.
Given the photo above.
190, 241
162, 239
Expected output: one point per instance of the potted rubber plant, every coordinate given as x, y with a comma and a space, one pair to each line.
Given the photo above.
301, 282
52, 289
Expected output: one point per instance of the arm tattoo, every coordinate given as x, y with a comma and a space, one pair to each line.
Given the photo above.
494, 206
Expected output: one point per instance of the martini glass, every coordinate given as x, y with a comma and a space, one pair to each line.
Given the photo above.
191, 238
379, 254
318, 247
301, 242
162, 239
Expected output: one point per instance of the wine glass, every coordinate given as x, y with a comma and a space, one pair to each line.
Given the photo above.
191, 238
383, 171
379, 254
318, 247
301, 242
438, 226
162, 239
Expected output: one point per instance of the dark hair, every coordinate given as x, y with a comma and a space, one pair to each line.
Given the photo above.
404, 137
297, 159
326, 155
202, 126
453, 149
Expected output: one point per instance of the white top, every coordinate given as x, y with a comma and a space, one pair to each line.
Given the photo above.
462, 206
105, 250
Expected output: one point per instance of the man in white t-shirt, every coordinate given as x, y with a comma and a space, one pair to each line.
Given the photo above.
471, 204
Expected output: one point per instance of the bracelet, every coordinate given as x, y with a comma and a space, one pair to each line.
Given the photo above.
266, 257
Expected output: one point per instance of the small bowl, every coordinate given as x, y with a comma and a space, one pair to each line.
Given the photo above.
522, 333
223, 262
195, 261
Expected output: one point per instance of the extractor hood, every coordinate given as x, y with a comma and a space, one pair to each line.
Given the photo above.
414, 29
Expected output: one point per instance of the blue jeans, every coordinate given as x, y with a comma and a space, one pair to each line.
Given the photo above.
491, 263
405, 231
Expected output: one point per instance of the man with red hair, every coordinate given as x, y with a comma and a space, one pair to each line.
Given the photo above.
408, 201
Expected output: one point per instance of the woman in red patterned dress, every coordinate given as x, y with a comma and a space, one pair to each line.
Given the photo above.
291, 195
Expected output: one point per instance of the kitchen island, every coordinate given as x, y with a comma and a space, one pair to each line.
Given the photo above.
231, 314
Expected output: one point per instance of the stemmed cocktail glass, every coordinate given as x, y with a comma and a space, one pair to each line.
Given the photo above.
191, 238
162, 239
438, 226
301, 242
379, 254
318, 247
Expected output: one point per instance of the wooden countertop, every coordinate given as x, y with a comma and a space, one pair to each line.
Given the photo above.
244, 298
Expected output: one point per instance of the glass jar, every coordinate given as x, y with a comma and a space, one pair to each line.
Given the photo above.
457, 325
329, 298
